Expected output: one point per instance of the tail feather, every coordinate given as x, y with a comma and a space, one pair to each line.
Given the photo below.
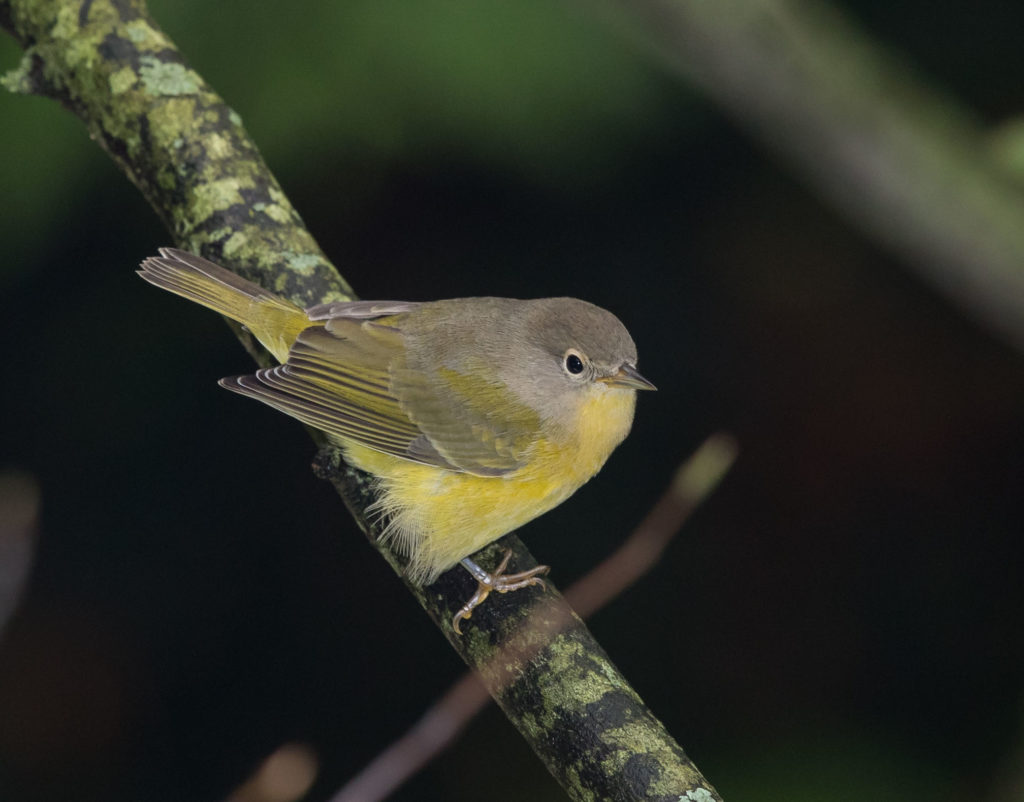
274, 321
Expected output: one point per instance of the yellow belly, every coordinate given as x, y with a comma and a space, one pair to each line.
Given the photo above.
437, 516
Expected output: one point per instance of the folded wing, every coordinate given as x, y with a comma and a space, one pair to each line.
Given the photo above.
359, 381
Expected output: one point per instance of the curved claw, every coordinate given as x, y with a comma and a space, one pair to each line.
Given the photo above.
496, 581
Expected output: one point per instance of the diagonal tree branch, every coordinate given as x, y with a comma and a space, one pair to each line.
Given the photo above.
442, 724
109, 63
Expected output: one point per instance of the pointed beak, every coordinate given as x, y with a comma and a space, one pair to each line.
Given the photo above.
628, 376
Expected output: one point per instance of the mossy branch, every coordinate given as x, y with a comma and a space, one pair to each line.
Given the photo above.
109, 63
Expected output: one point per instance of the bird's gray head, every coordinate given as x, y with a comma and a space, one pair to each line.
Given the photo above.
575, 345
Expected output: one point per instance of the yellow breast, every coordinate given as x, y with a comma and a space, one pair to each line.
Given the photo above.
438, 516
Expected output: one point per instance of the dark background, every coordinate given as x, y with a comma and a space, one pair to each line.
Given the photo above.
840, 621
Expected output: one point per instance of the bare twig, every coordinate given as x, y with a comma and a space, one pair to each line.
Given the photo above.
443, 722
694, 481
19, 512
906, 163
286, 775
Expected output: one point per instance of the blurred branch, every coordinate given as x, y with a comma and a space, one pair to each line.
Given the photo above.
438, 728
19, 517
109, 63
286, 774
693, 482
907, 164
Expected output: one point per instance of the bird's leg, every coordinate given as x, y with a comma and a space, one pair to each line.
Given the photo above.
497, 581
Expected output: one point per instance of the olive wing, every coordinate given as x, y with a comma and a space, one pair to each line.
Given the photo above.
467, 415
352, 379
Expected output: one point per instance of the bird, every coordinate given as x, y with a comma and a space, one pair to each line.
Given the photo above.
472, 415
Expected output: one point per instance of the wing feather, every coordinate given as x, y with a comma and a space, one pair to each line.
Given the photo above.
473, 421
318, 409
363, 378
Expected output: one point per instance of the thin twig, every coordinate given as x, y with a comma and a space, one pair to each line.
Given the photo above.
19, 513
286, 775
909, 165
445, 720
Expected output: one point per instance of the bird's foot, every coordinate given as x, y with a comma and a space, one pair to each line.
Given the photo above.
498, 581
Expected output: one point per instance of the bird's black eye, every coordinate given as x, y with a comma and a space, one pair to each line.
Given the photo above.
573, 363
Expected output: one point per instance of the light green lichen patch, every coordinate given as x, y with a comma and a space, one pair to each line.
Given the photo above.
122, 80
160, 78
278, 196
79, 54
234, 244
276, 213
142, 33
218, 146
74, 45
303, 263
574, 781
571, 682
66, 26
209, 118
168, 119
216, 196
477, 648
215, 235
627, 740
19, 79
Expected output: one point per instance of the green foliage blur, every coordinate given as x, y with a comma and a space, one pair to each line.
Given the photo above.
841, 620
